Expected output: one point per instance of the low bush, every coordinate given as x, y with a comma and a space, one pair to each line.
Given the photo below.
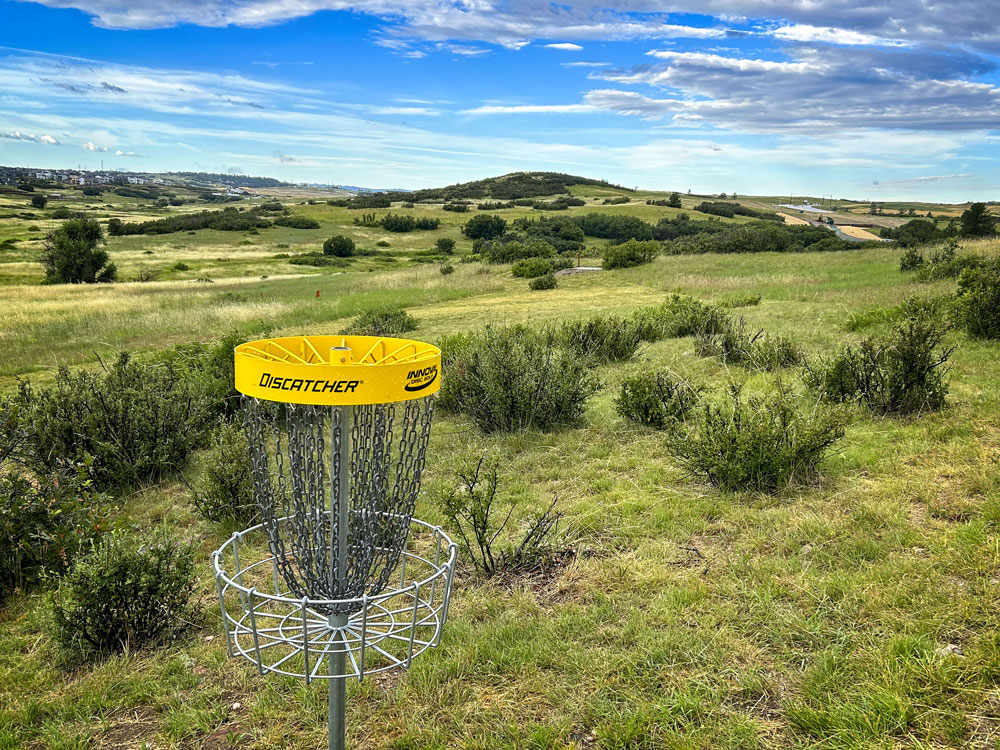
499, 251
512, 378
630, 253
601, 339
940, 308
445, 245
446, 269
382, 321
474, 513
680, 316
735, 343
756, 443
125, 594
225, 494
398, 223
529, 268
294, 221
977, 307
946, 263
136, 421
911, 260
900, 373
339, 246
656, 399
318, 260
748, 299
46, 522
542, 283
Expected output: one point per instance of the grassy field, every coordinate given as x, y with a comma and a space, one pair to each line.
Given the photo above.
856, 612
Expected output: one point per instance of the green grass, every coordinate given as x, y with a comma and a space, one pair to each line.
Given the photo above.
825, 617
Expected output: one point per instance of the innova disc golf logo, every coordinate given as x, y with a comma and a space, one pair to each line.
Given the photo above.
417, 380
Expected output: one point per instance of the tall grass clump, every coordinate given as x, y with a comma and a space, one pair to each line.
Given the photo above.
902, 372
382, 321
125, 594
656, 399
602, 339
512, 378
679, 316
977, 306
735, 343
756, 443
133, 422
935, 307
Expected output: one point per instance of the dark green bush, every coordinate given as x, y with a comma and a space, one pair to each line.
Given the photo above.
398, 223
382, 321
735, 343
499, 251
543, 282
74, 254
447, 269
656, 399
339, 246
318, 260
294, 221
426, 222
603, 338
529, 268
225, 494
756, 443
630, 253
512, 378
946, 263
911, 260
445, 245
125, 594
899, 373
136, 421
484, 226
978, 303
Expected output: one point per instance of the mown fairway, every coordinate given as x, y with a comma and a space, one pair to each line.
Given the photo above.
857, 612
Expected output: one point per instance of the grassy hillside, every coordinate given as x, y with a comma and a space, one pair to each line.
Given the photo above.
857, 611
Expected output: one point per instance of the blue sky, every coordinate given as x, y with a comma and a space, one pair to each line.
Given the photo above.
893, 100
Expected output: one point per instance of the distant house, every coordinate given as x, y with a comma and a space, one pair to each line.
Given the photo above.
136, 180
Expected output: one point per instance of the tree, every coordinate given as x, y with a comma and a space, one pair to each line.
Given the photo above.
977, 221
39, 201
446, 245
674, 201
339, 246
484, 226
116, 227
73, 254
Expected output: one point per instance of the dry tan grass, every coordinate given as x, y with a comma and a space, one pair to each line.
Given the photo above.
861, 234
792, 219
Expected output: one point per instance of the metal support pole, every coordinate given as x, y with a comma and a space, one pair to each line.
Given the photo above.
338, 657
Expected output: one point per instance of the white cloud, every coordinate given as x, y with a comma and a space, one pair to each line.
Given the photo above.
830, 35
585, 64
89, 146
15, 135
529, 109
567, 46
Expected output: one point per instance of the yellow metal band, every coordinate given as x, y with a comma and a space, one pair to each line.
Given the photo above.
337, 370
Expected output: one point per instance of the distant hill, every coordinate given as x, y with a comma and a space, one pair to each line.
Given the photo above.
508, 187
214, 178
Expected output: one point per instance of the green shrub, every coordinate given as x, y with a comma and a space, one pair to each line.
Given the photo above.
398, 223
935, 307
543, 282
382, 321
484, 226
473, 513
46, 522
74, 254
226, 493
339, 246
447, 269
382, 243
603, 338
735, 343
947, 263
978, 303
509, 252
445, 245
136, 421
181, 266
512, 378
679, 316
899, 373
656, 399
317, 260
630, 253
294, 221
757, 443
125, 594
529, 268
911, 260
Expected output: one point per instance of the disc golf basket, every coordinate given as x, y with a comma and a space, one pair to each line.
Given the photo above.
338, 580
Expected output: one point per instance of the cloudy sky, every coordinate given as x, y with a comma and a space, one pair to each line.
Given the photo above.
879, 99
